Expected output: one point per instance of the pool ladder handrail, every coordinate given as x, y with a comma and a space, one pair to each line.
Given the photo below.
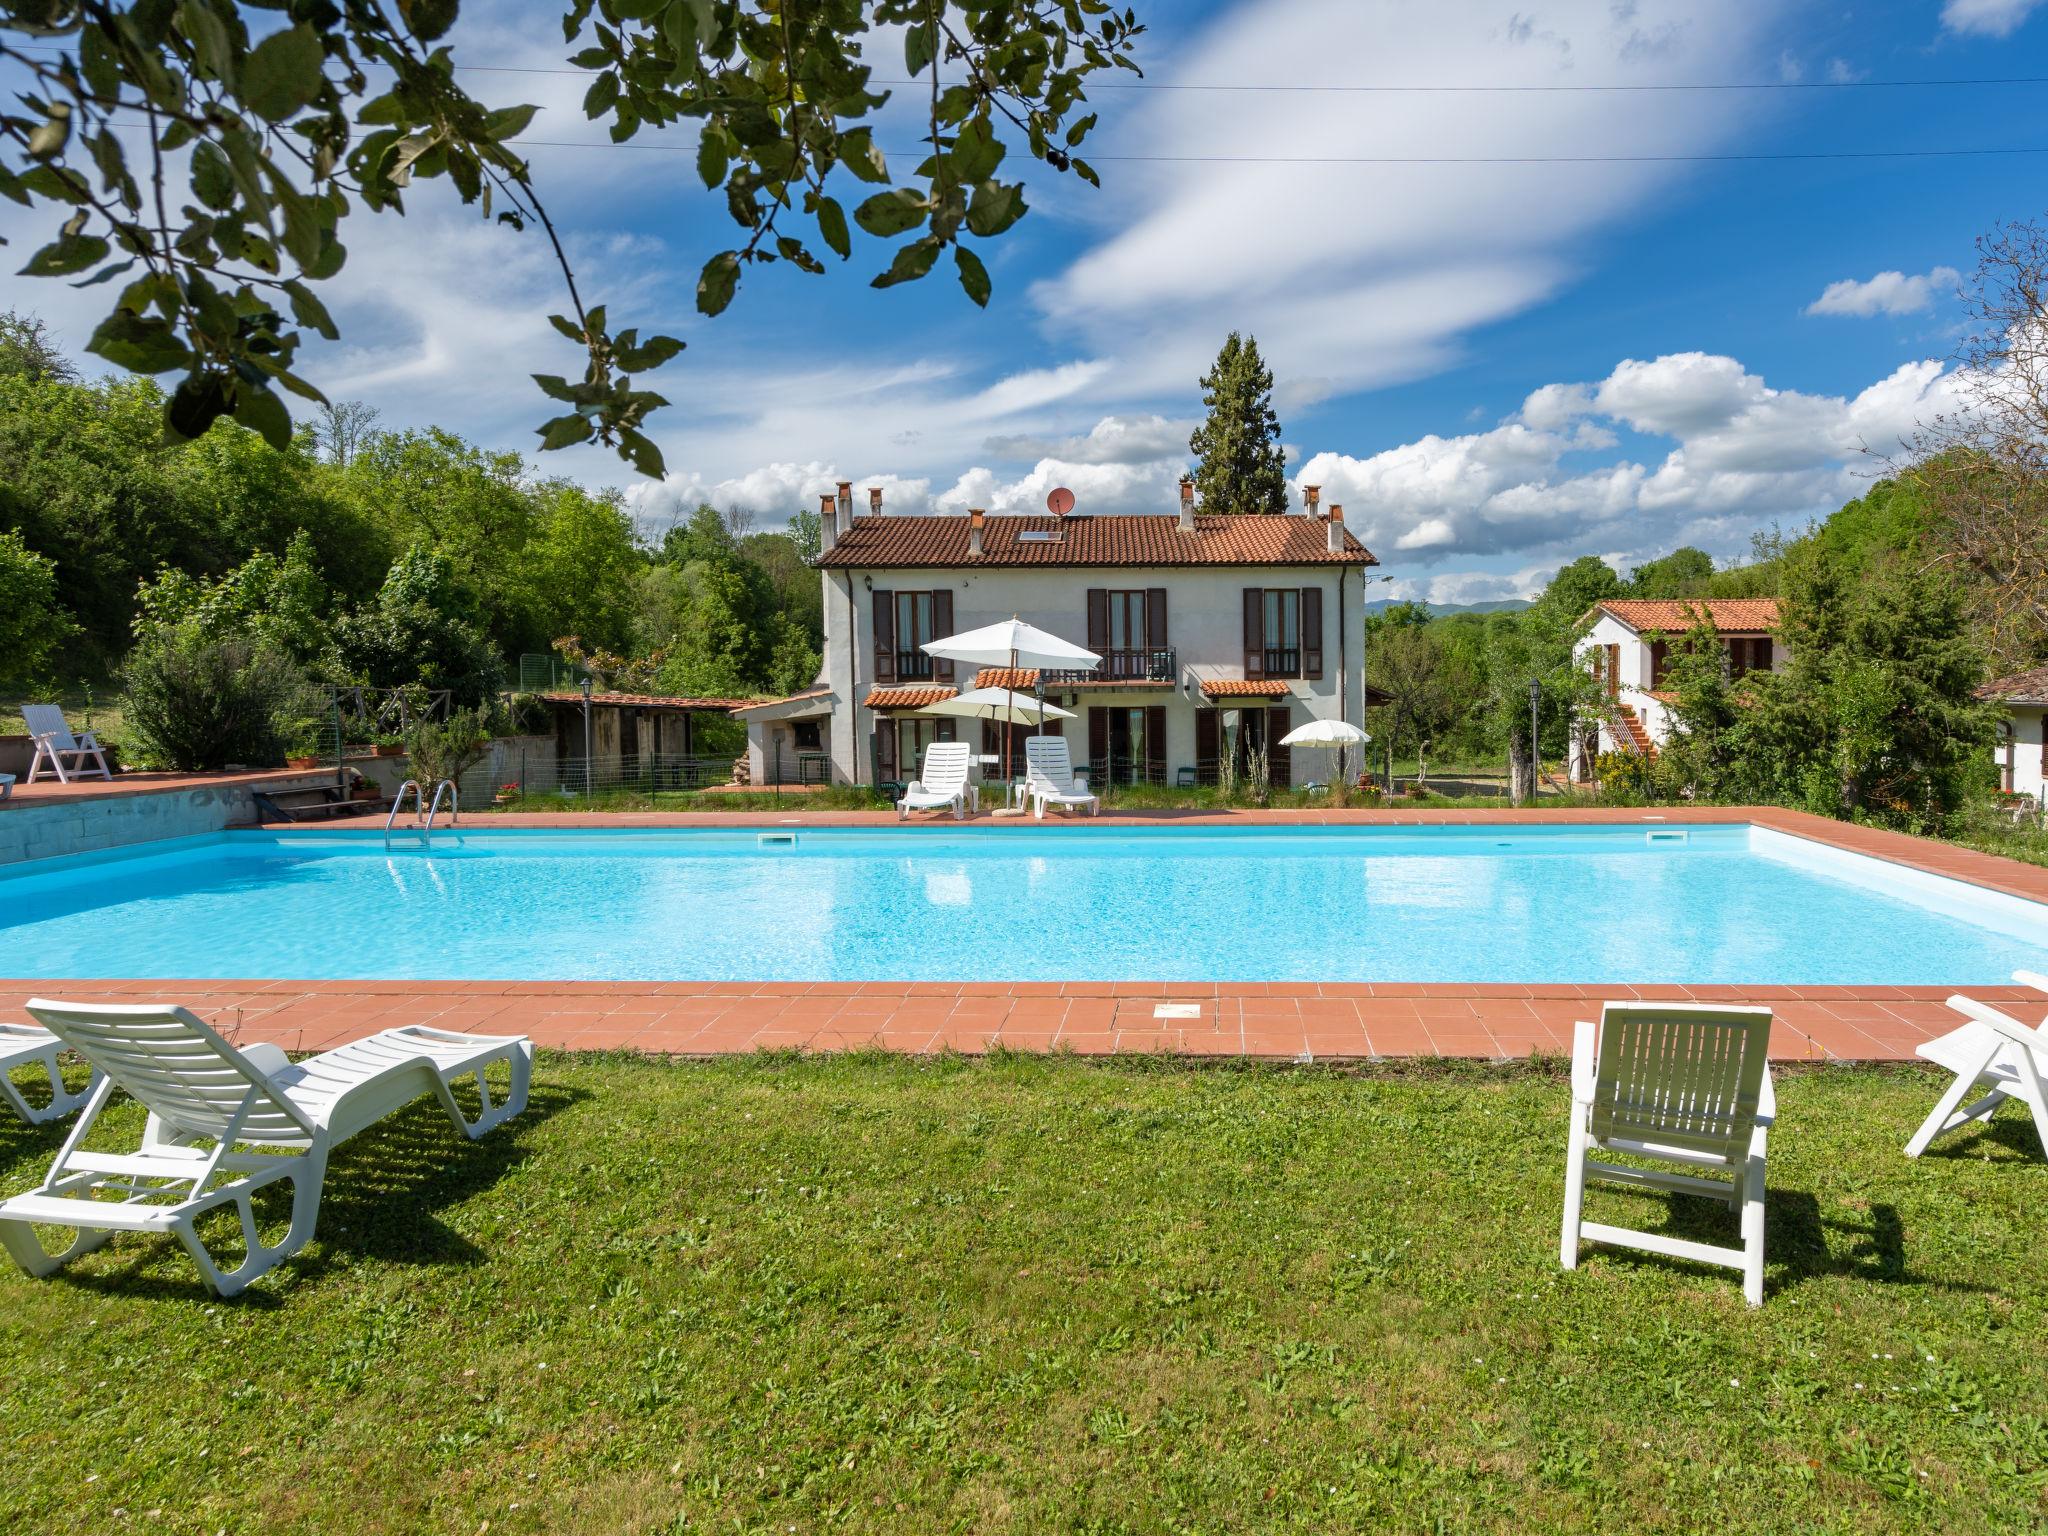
424, 823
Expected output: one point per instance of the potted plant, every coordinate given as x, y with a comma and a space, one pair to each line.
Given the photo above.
506, 794
387, 745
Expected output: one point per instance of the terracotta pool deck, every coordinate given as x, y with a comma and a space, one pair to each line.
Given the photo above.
1287, 1021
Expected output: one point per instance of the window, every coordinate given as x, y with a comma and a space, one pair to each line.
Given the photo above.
1749, 654
913, 629
900, 744
1283, 632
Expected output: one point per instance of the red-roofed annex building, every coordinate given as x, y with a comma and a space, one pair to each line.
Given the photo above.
1218, 634
1627, 649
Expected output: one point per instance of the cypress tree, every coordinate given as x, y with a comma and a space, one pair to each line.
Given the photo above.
1240, 466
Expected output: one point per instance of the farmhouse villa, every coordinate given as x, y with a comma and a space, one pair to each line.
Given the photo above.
1218, 635
1627, 649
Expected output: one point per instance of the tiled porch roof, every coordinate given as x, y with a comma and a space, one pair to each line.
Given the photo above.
1016, 679
1246, 688
907, 698
1676, 615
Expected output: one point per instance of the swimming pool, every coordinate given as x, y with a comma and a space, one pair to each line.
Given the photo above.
1441, 904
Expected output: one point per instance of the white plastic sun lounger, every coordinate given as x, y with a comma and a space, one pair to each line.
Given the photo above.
223, 1123
68, 756
1996, 1052
1049, 777
23, 1047
943, 784
1684, 1083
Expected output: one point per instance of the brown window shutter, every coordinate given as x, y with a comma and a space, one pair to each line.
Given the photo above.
1098, 746
1155, 618
1254, 631
1312, 632
1155, 743
885, 642
942, 626
885, 745
1208, 745
1279, 759
1098, 619
1658, 651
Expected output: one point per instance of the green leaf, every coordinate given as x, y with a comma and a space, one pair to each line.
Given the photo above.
567, 327
555, 387
310, 312
711, 158
283, 73
65, 255
212, 182
994, 207
973, 275
920, 47
602, 95
891, 213
1080, 129
650, 354
976, 152
858, 154
210, 42
644, 456
912, 262
562, 431
196, 404
428, 19
832, 226
715, 284
112, 269
508, 122
257, 408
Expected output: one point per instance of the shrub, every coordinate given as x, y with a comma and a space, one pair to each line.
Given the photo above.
447, 749
197, 703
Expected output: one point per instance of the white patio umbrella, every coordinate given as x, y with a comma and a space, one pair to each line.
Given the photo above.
1012, 643
1327, 733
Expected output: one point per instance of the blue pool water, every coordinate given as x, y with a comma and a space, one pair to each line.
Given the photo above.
1679, 904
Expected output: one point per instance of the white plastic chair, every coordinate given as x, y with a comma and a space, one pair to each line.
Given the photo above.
68, 756
22, 1047
198, 1090
1995, 1051
1050, 779
1684, 1083
943, 783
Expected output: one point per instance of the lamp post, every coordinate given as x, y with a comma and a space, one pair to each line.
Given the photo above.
586, 736
1535, 750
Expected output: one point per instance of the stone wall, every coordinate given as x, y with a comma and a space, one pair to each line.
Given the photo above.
43, 829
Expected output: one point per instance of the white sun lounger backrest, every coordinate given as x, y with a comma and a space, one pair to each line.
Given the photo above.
1047, 766
945, 766
180, 1070
48, 722
1683, 1075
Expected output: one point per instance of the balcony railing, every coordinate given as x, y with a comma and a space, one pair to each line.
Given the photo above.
1142, 666
1282, 662
913, 667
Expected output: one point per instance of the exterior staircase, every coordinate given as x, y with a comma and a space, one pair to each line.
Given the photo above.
1631, 722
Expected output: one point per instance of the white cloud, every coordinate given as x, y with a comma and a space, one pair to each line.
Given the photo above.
1743, 456
1359, 274
1986, 18
1112, 440
1888, 293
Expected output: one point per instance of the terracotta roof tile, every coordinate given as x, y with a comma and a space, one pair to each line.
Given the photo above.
1141, 538
907, 698
1731, 615
1017, 679
1245, 688
2020, 688
654, 701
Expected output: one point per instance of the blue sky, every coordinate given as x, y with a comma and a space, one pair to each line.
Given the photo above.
1494, 367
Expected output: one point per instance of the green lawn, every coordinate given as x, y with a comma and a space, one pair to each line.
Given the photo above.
877, 1294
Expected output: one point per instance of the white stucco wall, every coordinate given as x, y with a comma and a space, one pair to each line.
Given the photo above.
2022, 749
1205, 629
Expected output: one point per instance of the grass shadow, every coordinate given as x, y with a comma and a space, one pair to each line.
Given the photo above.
2010, 1129
378, 1202
1800, 1244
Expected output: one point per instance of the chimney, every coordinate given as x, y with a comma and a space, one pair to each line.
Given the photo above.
1335, 529
976, 520
1187, 505
874, 501
845, 505
828, 523
1311, 496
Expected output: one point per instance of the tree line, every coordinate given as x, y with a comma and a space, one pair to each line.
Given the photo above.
355, 554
